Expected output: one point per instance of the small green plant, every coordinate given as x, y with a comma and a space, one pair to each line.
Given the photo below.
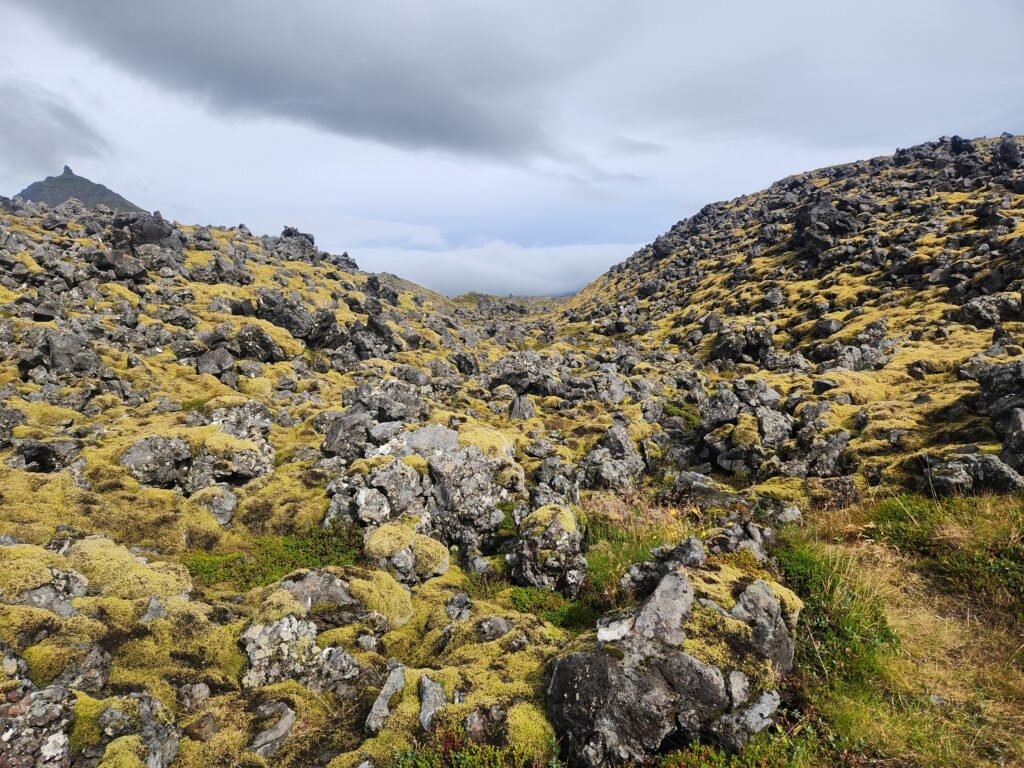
798, 747
272, 557
552, 607
454, 750
613, 546
688, 412
485, 586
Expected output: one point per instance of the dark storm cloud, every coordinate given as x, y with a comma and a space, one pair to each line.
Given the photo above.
455, 76
534, 79
39, 131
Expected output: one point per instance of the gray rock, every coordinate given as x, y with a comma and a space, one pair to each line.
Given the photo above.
221, 502
458, 606
757, 607
57, 595
160, 737
521, 408
271, 739
734, 729
215, 362
432, 699
548, 552
381, 709
34, 728
617, 704
663, 614
318, 588
494, 627
348, 434
254, 342
89, 673
153, 612
971, 474
44, 455
615, 463
286, 650
158, 461
372, 507
193, 696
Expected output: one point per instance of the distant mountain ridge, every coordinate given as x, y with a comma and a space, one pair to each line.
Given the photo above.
54, 190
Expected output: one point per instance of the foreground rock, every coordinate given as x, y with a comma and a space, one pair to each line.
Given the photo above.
691, 662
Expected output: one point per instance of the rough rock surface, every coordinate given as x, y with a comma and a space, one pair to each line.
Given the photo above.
650, 678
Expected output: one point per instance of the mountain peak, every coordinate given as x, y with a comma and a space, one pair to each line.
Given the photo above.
54, 190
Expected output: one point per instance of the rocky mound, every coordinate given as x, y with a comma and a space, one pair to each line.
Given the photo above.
55, 190
258, 507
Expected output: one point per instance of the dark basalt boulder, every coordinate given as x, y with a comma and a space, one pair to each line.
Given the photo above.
968, 474
256, 344
548, 553
646, 685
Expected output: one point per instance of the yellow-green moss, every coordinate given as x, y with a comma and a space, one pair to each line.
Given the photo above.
378, 591
388, 540
24, 567
542, 518
527, 728
125, 752
746, 435
48, 659
85, 726
417, 462
113, 570
431, 555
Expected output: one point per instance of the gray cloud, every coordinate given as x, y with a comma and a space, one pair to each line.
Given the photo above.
40, 131
457, 76
828, 74
533, 79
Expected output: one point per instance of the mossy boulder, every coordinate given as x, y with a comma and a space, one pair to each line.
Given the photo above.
688, 663
409, 556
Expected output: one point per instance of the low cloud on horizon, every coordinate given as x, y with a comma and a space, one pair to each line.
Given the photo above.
497, 267
485, 146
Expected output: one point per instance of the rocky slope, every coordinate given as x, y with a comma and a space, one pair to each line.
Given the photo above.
55, 190
258, 507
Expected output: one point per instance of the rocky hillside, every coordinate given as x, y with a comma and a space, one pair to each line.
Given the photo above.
55, 190
258, 507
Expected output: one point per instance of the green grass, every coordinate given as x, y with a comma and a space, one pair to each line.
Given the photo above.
486, 586
611, 548
843, 629
454, 750
971, 546
796, 748
272, 557
552, 607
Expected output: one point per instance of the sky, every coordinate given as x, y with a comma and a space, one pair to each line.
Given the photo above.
504, 147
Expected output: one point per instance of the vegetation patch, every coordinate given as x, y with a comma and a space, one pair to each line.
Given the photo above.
972, 546
269, 558
553, 608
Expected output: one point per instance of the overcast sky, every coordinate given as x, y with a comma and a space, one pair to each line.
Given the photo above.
506, 147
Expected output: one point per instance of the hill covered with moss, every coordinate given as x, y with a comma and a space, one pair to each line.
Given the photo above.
747, 499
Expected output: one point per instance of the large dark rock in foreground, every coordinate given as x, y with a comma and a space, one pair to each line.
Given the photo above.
698, 659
